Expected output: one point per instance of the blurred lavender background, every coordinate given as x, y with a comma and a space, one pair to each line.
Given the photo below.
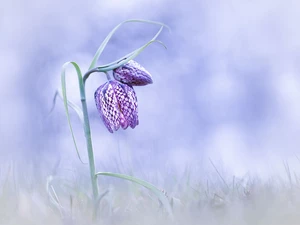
227, 88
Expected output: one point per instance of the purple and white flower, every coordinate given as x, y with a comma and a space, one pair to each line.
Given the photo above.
117, 104
132, 74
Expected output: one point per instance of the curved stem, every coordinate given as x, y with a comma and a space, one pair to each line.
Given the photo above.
107, 75
87, 133
88, 73
95, 70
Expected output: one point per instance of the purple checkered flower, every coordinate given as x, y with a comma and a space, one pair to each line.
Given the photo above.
132, 74
117, 105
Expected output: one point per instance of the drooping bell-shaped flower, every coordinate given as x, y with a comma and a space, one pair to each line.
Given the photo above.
133, 74
117, 105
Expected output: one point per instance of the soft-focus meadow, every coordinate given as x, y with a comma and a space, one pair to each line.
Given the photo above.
219, 127
25, 199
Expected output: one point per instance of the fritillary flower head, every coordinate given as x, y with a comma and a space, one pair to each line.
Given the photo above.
117, 104
133, 74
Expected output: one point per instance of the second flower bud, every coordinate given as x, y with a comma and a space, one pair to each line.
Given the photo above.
132, 74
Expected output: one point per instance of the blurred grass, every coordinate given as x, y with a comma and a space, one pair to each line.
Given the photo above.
217, 200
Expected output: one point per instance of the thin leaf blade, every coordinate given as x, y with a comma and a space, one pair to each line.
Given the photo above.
65, 99
108, 37
143, 183
127, 58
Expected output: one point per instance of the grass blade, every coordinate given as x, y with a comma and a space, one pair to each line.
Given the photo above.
108, 37
145, 184
52, 195
219, 174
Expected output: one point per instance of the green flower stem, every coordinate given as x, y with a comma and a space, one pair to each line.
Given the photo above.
87, 132
107, 75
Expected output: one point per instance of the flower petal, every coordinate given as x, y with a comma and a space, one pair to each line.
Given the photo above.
133, 74
108, 106
127, 102
99, 99
117, 105
134, 116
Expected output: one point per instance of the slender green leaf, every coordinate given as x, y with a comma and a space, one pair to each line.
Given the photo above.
145, 184
121, 61
64, 93
141, 48
124, 59
108, 37
127, 58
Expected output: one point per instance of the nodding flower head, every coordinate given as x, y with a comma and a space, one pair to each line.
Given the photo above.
117, 105
132, 74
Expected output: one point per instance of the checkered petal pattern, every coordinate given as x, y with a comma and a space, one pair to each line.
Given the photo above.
133, 74
117, 105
